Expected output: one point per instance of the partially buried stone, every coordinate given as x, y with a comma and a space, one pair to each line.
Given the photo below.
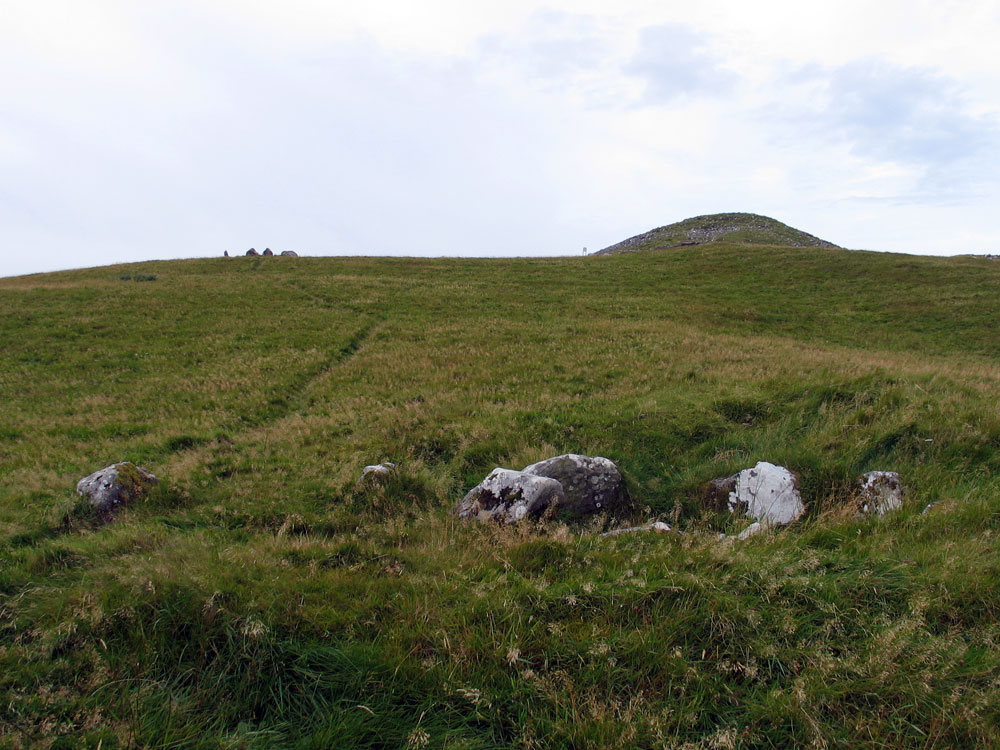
267, 251
377, 474
881, 492
115, 486
289, 254
507, 495
768, 493
591, 484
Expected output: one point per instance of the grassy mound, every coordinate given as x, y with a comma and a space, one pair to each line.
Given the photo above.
262, 597
746, 229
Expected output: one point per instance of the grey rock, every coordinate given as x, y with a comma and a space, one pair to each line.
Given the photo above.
289, 254
881, 492
115, 486
768, 494
267, 251
507, 495
225, 253
251, 251
591, 484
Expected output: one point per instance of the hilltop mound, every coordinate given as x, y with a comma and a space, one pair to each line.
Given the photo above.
747, 229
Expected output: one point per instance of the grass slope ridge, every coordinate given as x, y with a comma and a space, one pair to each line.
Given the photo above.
748, 229
261, 597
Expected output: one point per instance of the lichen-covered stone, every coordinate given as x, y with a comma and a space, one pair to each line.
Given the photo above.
881, 492
115, 486
508, 495
768, 494
592, 484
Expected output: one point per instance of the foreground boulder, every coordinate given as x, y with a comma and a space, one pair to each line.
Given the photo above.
590, 484
507, 495
881, 492
768, 493
115, 486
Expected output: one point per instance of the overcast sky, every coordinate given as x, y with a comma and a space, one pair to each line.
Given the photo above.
138, 130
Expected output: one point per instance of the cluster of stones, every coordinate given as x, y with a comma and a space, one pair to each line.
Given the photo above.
571, 485
769, 495
268, 251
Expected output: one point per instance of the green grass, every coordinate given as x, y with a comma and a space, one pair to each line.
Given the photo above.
260, 597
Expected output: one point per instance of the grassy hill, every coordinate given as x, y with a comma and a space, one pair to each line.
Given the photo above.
746, 229
261, 598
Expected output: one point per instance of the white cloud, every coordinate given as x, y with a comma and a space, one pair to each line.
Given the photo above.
175, 129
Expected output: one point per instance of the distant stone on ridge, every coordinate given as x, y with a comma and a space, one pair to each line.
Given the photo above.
591, 484
507, 495
267, 251
768, 494
251, 251
881, 492
289, 254
115, 485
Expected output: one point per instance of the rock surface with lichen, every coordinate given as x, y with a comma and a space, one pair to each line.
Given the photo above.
508, 495
115, 486
592, 484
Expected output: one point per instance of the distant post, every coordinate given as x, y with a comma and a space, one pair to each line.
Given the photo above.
584, 251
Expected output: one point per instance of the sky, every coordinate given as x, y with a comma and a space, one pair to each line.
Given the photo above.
132, 131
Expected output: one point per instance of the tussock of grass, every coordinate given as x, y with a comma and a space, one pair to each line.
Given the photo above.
260, 596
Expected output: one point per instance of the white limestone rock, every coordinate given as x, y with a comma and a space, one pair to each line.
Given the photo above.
508, 495
768, 493
881, 492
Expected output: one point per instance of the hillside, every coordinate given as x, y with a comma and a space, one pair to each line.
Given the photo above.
262, 598
747, 229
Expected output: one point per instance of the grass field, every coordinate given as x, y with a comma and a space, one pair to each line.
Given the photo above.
261, 598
